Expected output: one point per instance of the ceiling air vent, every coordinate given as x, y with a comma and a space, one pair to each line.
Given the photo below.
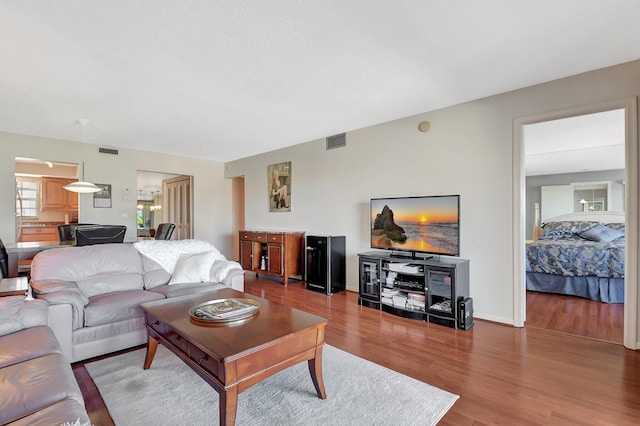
108, 151
337, 141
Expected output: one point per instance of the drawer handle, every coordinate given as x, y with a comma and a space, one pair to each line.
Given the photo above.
201, 360
155, 323
173, 339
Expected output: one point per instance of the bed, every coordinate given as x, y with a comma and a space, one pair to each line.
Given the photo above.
579, 254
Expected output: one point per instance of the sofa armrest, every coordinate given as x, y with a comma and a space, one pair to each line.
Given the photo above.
75, 301
53, 286
222, 269
234, 279
61, 323
58, 292
16, 314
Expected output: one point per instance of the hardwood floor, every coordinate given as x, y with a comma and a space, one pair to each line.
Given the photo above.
504, 375
576, 315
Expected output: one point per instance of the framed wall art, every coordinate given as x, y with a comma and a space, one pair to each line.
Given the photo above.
279, 180
102, 198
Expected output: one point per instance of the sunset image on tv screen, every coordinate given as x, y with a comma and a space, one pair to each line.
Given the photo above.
422, 224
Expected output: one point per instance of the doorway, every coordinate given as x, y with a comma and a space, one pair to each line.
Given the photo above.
237, 207
164, 197
629, 106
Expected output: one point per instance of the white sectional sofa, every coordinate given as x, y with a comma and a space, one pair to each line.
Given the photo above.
95, 292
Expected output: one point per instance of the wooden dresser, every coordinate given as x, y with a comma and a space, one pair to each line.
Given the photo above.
272, 253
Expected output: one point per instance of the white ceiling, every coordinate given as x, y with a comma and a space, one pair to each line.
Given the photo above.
150, 182
584, 143
228, 79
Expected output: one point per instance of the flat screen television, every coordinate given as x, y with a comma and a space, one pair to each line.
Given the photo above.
429, 224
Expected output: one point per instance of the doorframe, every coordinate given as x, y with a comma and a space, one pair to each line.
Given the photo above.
632, 165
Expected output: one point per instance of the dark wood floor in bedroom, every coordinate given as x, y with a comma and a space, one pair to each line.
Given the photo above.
576, 316
504, 375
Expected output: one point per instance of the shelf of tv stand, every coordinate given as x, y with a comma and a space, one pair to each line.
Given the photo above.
454, 273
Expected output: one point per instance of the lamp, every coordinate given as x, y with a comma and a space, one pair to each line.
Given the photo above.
82, 187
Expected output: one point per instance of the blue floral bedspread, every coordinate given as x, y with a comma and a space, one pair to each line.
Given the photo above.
576, 257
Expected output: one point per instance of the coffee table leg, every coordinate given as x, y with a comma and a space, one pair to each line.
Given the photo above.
315, 369
152, 345
228, 406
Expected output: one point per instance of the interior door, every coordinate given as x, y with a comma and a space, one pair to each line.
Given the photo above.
177, 207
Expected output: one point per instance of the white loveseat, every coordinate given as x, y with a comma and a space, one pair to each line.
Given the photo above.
94, 292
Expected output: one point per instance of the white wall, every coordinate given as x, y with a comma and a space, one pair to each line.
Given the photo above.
212, 217
468, 151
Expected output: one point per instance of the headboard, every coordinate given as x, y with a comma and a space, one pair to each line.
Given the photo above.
604, 217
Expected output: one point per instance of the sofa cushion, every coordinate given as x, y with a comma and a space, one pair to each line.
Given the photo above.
89, 336
80, 263
154, 275
16, 314
113, 307
155, 278
185, 289
192, 268
111, 283
27, 344
35, 384
68, 411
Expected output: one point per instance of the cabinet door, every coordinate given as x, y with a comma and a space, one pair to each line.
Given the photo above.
72, 198
52, 194
274, 253
45, 233
370, 278
246, 254
441, 290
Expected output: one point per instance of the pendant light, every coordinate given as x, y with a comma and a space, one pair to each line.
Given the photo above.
82, 187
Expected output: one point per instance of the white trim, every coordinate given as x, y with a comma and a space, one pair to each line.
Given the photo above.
632, 165
632, 162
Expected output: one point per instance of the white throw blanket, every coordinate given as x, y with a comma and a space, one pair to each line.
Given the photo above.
167, 252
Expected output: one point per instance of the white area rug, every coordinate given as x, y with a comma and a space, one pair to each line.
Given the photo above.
359, 392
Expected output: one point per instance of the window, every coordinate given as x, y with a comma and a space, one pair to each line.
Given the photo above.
27, 197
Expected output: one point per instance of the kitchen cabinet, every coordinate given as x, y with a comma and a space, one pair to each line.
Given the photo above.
38, 233
53, 196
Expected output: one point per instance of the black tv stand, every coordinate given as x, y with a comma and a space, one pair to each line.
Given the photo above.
409, 255
431, 290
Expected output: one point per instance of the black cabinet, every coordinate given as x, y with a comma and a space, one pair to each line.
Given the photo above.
434, 290
325, 264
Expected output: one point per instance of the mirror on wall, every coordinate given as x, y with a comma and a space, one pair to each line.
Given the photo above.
591, 196
557, 200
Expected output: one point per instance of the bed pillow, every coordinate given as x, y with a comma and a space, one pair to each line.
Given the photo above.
619, 226
565, 230
602, 233
192, 268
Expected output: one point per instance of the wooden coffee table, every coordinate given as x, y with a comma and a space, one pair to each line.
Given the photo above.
235, 356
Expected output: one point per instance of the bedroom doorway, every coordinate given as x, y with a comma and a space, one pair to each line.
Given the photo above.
563, 312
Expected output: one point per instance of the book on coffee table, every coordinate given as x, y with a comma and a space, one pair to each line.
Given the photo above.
226, 309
